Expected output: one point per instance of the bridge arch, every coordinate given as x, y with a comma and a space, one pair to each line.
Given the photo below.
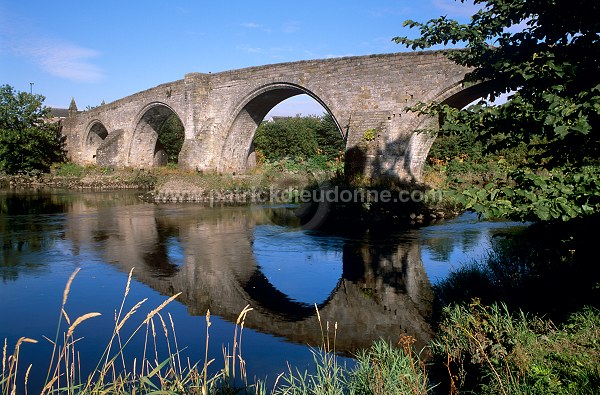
456, 95
145, 150
248, 115
95, 134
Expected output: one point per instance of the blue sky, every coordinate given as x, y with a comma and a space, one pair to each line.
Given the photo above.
106, 50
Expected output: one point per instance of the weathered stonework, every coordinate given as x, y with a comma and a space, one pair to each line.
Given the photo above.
221, 111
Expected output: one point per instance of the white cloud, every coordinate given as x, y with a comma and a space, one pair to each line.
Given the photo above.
290, 27
332, 56
387, 11
56, 57
250, 25
62, 59
249, 49
255, 26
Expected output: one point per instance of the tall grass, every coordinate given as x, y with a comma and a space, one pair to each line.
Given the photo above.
490, 337
328, 377
488, 350
113, 374
385, 369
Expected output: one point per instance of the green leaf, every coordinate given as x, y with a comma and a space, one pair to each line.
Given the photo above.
508, 192
542, 212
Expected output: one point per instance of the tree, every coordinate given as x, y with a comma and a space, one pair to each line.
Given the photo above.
292, 137
299, 138
329, 139
28, 141
546, 55
171, 136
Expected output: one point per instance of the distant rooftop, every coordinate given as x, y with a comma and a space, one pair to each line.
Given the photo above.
276, 118
59, 112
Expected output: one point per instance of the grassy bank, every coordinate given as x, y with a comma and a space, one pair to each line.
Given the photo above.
75, 177
72, 176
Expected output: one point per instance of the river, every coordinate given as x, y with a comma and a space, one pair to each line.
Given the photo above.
220, 259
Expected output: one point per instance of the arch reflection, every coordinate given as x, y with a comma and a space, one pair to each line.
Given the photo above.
383, 290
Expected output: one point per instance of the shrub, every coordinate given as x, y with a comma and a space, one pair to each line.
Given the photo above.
171, 136
488, 350
68, 169
299, 138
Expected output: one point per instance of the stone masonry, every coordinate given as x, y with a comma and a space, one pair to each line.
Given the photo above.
366, 95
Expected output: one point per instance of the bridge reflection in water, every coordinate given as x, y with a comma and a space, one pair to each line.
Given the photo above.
209, 254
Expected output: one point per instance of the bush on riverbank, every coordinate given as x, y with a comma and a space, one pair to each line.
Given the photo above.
457, 163
488, 350
490, 339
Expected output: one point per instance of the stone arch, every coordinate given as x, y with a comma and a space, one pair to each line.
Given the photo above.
456, 95
144, 149
95, 134
248, 115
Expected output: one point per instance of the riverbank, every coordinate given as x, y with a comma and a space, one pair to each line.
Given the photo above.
345, 203
82, 179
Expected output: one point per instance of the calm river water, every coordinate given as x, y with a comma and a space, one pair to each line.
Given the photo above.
222, 259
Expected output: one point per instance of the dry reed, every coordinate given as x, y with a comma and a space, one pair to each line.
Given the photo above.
148, 373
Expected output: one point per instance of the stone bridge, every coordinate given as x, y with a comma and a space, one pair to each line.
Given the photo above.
221, 111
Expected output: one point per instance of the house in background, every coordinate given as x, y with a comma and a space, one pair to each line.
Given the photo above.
276, 118
58, 114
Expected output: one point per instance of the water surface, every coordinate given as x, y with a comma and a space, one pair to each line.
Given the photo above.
220, 259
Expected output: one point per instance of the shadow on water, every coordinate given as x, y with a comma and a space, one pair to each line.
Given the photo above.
25, 228
549, 270
381, 291
32, 220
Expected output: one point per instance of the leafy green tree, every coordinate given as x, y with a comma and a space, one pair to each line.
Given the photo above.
329, 139
171, 136
28, 142
292, 137
299, 138
546, 55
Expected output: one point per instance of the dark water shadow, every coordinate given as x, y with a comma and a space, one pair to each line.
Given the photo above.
549, 270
